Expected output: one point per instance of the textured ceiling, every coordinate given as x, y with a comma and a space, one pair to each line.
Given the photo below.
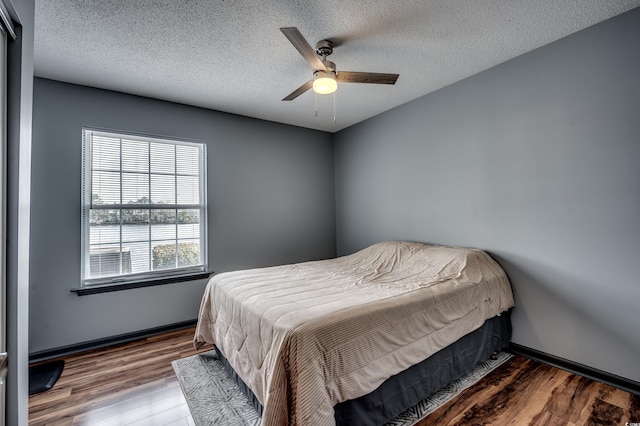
231, 56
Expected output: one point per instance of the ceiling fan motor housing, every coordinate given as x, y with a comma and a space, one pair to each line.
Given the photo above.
330, 66
324, 74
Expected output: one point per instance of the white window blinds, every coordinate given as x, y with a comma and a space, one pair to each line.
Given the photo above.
144, 207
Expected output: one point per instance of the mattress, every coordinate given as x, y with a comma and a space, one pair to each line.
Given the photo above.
305, 337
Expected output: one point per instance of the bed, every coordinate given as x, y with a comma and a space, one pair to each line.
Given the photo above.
352, 340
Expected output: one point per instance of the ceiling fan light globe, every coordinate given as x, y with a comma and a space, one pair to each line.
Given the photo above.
324, 83
325, 86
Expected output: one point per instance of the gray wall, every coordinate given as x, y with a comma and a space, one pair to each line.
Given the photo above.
537, 161
270, 193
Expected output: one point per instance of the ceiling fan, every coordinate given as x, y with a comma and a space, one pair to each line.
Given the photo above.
325, 77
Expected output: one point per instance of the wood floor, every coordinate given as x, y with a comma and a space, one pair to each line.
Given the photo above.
129, 384
526, 392
134, 384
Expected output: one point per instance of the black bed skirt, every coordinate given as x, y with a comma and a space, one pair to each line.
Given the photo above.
407, 388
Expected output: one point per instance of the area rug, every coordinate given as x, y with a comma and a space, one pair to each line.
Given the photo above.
43, 376
215, 399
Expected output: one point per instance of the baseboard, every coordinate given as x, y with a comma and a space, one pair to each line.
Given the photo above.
107, 341
576, 368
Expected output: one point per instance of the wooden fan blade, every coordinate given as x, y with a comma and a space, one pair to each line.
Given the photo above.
303, 47
299, 91
366, 77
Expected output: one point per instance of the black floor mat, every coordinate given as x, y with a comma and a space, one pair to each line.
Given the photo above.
42, 377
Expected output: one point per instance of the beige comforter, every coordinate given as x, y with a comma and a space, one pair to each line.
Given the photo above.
307, 336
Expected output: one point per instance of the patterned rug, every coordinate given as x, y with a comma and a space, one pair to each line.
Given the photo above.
215, 399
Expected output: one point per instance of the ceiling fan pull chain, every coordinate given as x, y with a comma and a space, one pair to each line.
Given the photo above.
315, 101
334, 107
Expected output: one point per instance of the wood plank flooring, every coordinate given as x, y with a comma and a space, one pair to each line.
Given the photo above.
134, 384
526, 392
128, 384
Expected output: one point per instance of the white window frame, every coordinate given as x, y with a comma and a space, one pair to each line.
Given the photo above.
124, 275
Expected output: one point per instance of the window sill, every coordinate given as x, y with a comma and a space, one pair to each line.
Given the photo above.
106, 288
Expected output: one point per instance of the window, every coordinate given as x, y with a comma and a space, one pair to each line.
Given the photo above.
144, 207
